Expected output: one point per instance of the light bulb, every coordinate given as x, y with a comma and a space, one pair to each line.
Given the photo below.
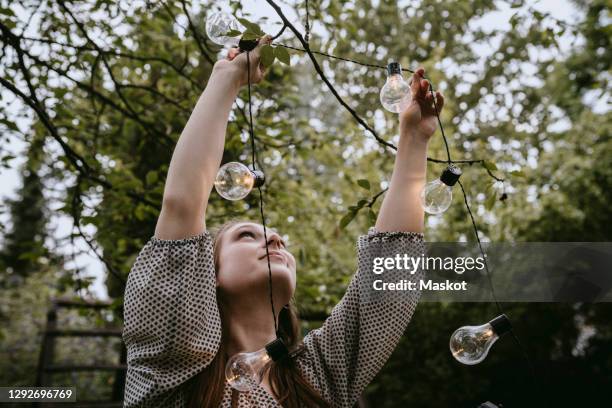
235, 181
471, 344
218, 25
395, 95
244, 371
437, 195
245, 368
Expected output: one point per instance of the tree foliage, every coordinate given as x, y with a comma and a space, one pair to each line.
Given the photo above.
112, 84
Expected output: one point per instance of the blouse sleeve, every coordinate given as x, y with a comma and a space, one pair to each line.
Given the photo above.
356, 340
172, 327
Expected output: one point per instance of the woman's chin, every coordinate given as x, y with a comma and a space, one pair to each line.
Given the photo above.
282, 276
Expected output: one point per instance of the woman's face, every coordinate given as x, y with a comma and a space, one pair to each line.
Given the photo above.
243, 267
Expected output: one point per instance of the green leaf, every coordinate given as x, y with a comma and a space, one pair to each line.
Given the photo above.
249, 35
9, 124
489, 165
267, 55
372, 216
6, 12
364, 183
514, 20
282, 54
517, 173
151, 177
10, 23
233, 33
347, 219
140, 212
361, 203
490, 201
7, 158
251, 27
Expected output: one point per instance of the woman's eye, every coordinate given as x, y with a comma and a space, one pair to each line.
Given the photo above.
243, 233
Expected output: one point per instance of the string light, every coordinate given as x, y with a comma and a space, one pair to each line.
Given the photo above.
218, 25
471, 344
244, 371
395, 94
437, 195
235, 181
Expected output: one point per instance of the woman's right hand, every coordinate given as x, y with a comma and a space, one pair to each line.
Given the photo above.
235, 64
419, 117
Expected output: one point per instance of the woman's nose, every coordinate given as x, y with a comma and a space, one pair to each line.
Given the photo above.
274, 240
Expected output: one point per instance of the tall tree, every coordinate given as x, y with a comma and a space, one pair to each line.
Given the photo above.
23, 251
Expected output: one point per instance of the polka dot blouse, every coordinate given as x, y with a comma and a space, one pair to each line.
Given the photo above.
172, 326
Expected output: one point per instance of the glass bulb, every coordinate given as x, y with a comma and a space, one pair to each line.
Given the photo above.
245, 370
218, 25
436, 197
235, 181
471, 344
395, 94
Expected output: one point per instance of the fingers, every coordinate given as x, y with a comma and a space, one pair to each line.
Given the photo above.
424, 87
414, 83
266, 39
418, 85
232, 53
439, 101
431, 108
420, 89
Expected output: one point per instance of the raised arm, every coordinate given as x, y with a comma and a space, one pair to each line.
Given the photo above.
401, 209
198, 152
362, 331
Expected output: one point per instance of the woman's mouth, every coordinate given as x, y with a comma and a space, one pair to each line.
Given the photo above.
276, 255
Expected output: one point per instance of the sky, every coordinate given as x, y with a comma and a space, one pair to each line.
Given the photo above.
60, 226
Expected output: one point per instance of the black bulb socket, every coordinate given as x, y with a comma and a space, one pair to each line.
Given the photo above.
247, 45
451, 175
260, 178
277, 349
394, 68
501, 325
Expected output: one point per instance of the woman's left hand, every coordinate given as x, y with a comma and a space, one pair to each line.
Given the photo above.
418, 119
235, 64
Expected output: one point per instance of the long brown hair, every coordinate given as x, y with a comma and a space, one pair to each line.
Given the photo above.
205, 389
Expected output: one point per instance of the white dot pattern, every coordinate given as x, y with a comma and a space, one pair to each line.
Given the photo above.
172, 325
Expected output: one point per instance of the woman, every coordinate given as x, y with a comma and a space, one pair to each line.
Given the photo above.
193, 298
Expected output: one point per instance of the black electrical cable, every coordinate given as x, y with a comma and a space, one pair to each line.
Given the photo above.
261, 200
324, 54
